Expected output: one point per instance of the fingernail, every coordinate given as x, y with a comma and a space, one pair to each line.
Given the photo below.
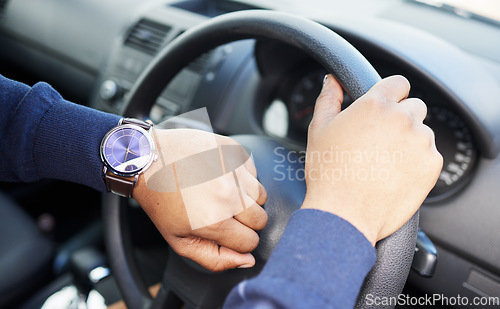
325, 79
248, 261
246, 266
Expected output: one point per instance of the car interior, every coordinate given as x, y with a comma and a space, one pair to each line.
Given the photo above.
257, 67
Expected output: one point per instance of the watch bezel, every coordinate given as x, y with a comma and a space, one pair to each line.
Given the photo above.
149, 138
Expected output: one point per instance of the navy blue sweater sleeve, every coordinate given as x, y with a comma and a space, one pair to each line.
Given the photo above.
320, 262
44, 136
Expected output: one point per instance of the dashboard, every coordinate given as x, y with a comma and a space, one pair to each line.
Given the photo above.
94, 51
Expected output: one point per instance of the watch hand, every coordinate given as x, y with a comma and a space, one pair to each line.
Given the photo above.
126, 154
130, 142
127, 151
130, 151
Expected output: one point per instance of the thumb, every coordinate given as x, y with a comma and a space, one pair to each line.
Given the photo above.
210, 255
328, 103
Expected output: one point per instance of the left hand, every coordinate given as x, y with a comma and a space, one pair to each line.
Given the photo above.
219, 246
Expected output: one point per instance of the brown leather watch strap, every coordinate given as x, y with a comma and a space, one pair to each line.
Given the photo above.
123, 186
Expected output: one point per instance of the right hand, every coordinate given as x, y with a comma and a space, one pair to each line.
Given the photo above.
381, 159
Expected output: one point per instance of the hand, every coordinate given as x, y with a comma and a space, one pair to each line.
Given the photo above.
378, 160
212, 222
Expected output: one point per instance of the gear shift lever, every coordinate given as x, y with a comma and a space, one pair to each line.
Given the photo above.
425, 258
88, 267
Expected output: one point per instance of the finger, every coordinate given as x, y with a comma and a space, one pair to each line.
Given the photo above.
254, 217
329, 102
390, 89
210, 255
250, 166
417, 108
235, 155
230, 233
250, 186
427, 134
253, 195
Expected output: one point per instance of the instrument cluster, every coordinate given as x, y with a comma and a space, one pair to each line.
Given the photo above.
291, 109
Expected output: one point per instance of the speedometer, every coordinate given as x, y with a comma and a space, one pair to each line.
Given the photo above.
454, 141
302, 98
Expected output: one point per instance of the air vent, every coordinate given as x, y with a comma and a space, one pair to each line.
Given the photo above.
147, 36
3, 6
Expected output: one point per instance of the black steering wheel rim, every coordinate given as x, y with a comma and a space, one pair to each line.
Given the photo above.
337, 56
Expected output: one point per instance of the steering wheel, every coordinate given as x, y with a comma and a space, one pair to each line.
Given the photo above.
185, 281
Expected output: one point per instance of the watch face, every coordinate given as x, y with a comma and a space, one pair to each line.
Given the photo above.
127, 149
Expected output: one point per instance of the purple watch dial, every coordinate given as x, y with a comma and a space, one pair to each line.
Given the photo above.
127, 149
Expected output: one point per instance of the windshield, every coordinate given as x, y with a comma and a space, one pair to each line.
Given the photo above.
486, 9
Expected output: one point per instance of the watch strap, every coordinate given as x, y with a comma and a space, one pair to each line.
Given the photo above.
146, 125
120, 185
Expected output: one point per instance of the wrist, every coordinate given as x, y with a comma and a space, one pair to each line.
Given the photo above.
347, 213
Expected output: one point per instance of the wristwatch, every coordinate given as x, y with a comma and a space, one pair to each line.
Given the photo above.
126, 151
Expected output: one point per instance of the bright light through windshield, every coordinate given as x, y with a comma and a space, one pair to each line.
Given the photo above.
486, 8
